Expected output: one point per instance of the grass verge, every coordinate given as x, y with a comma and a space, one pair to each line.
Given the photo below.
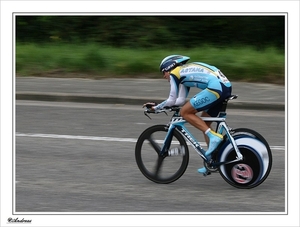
96, 61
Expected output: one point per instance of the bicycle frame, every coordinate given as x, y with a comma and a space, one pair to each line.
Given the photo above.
178, 123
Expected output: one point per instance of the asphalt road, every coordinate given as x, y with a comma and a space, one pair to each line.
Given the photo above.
76, 157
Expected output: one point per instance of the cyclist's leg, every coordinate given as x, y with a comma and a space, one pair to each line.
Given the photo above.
208, 123
212, 112
201, 101
204, 100
188, 112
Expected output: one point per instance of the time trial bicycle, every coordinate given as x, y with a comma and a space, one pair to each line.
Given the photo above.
243, 159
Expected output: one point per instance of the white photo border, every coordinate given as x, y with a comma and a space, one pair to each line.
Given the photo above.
10, 8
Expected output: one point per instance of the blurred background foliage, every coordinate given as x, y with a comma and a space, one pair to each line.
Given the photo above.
154, 31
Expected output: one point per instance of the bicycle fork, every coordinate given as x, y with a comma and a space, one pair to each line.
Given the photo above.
167, 141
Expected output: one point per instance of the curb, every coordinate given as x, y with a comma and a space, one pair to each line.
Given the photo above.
129, 100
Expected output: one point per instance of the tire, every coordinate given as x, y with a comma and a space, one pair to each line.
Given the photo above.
253, 169
160, 169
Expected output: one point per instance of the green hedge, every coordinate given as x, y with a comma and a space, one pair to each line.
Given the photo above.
156, 31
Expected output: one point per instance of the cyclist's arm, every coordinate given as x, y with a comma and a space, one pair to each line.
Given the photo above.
172, 96
182, 95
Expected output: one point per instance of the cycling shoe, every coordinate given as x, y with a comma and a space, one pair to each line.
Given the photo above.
204, 171
214, 140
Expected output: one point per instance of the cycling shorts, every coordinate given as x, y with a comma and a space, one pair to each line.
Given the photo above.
210, 100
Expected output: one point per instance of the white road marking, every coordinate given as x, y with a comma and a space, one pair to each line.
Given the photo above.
55, 136
107, 139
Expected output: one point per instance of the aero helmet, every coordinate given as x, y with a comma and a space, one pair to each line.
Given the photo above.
171, 62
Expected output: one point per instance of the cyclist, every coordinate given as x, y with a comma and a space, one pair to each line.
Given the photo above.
215, 88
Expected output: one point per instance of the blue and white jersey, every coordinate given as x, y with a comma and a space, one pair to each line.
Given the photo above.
195, 74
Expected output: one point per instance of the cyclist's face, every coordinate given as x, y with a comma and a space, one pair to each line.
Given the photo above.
167, 75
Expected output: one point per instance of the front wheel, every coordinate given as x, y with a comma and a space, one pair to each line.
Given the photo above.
159, 168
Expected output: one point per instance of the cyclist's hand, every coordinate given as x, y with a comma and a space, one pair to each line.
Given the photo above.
149, 105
